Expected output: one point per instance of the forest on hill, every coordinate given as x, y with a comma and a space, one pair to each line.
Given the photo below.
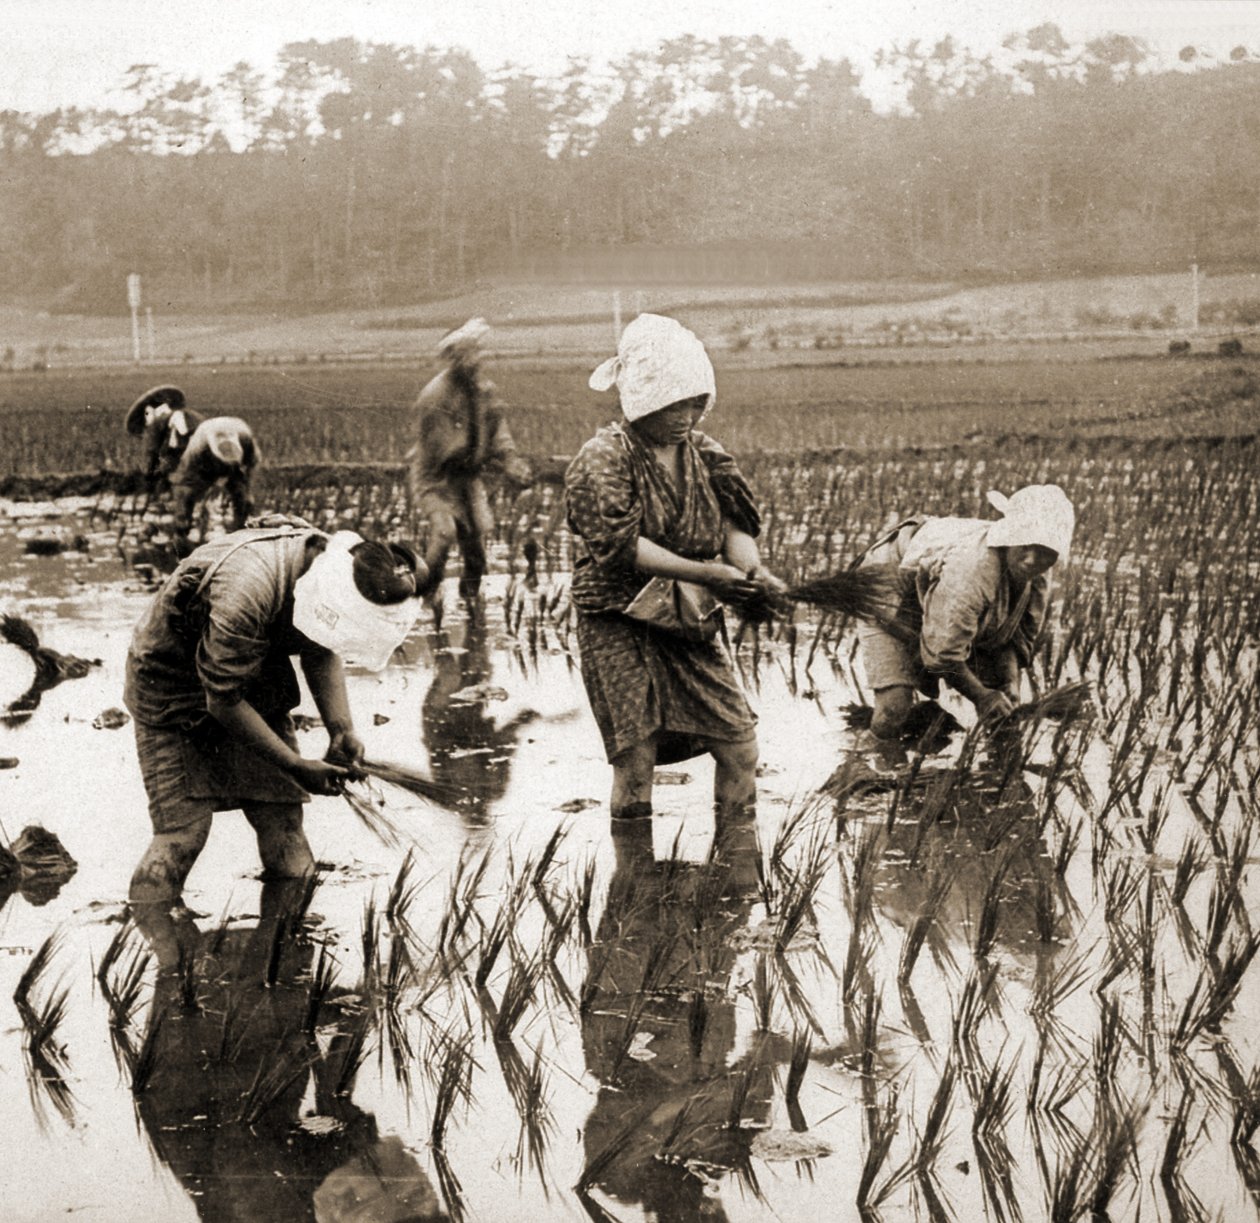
375, 174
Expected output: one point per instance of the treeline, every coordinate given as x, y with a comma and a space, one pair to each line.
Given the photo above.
372, 174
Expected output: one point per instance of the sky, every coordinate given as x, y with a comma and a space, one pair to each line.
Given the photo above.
75, 52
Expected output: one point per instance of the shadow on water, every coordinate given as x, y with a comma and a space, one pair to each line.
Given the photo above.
470, 754
659, 1030
248, 1062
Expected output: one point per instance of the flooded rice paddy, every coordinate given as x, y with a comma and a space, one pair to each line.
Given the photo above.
964, 983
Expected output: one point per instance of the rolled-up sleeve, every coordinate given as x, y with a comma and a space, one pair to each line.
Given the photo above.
733, 492
953, 607
603, 506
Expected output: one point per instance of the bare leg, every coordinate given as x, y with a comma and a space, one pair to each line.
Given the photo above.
442, 536
239, 498
735, 778
632, 782
473, 552
282, 845
892, 708
162, 871
735, 851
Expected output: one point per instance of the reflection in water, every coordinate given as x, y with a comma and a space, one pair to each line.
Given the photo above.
469, 754
239, 1039
658, 1028
992, 823
51, 668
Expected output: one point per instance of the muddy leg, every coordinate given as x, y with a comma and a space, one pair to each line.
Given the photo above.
282, 844
238, 498
185, 493
632, 782
442, 535
163, 869
473, 550
892, 708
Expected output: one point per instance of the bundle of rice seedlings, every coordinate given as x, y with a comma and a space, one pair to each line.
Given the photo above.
864, 594
413, 781
371, 812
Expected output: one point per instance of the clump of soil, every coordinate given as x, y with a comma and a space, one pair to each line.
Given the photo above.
37, 863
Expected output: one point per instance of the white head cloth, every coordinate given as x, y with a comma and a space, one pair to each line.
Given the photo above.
465, 338
1037, 514
328, 608
658, 362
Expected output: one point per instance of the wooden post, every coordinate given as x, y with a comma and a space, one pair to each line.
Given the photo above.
1194, 299
133, 300
616, 316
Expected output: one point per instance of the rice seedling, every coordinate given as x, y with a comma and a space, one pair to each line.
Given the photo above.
275, 1075
1058, 978
518, 992
348, 1051
1066, 848
604, 1157
32, 975
147, 1057
986, 928
1115, 1147
978, 995
323, 977
931, 1140
1069, 1190
402, 895
916, 934
1190, 864
454, 1084
882, 1125
369, 809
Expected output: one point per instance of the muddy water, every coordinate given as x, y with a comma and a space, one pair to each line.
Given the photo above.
658, 1047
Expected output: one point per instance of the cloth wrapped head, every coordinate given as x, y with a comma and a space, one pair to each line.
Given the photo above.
331, 603
658, 362
1039, 514
463, 341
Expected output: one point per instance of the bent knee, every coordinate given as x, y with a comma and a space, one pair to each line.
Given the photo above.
892, 708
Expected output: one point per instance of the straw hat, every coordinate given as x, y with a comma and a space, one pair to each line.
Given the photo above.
1038, 514
658, 362
172, 396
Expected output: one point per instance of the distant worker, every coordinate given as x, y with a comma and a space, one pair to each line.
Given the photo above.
192, 454
974, 597
462, 436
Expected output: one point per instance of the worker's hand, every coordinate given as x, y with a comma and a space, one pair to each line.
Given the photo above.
994, 706
346, 748
774, 586
729, 583
319, 776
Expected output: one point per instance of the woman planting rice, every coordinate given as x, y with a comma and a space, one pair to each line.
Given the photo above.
191, 455
973, 597
210, 685
651, 499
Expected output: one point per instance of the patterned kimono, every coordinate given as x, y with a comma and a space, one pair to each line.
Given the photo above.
644, 681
